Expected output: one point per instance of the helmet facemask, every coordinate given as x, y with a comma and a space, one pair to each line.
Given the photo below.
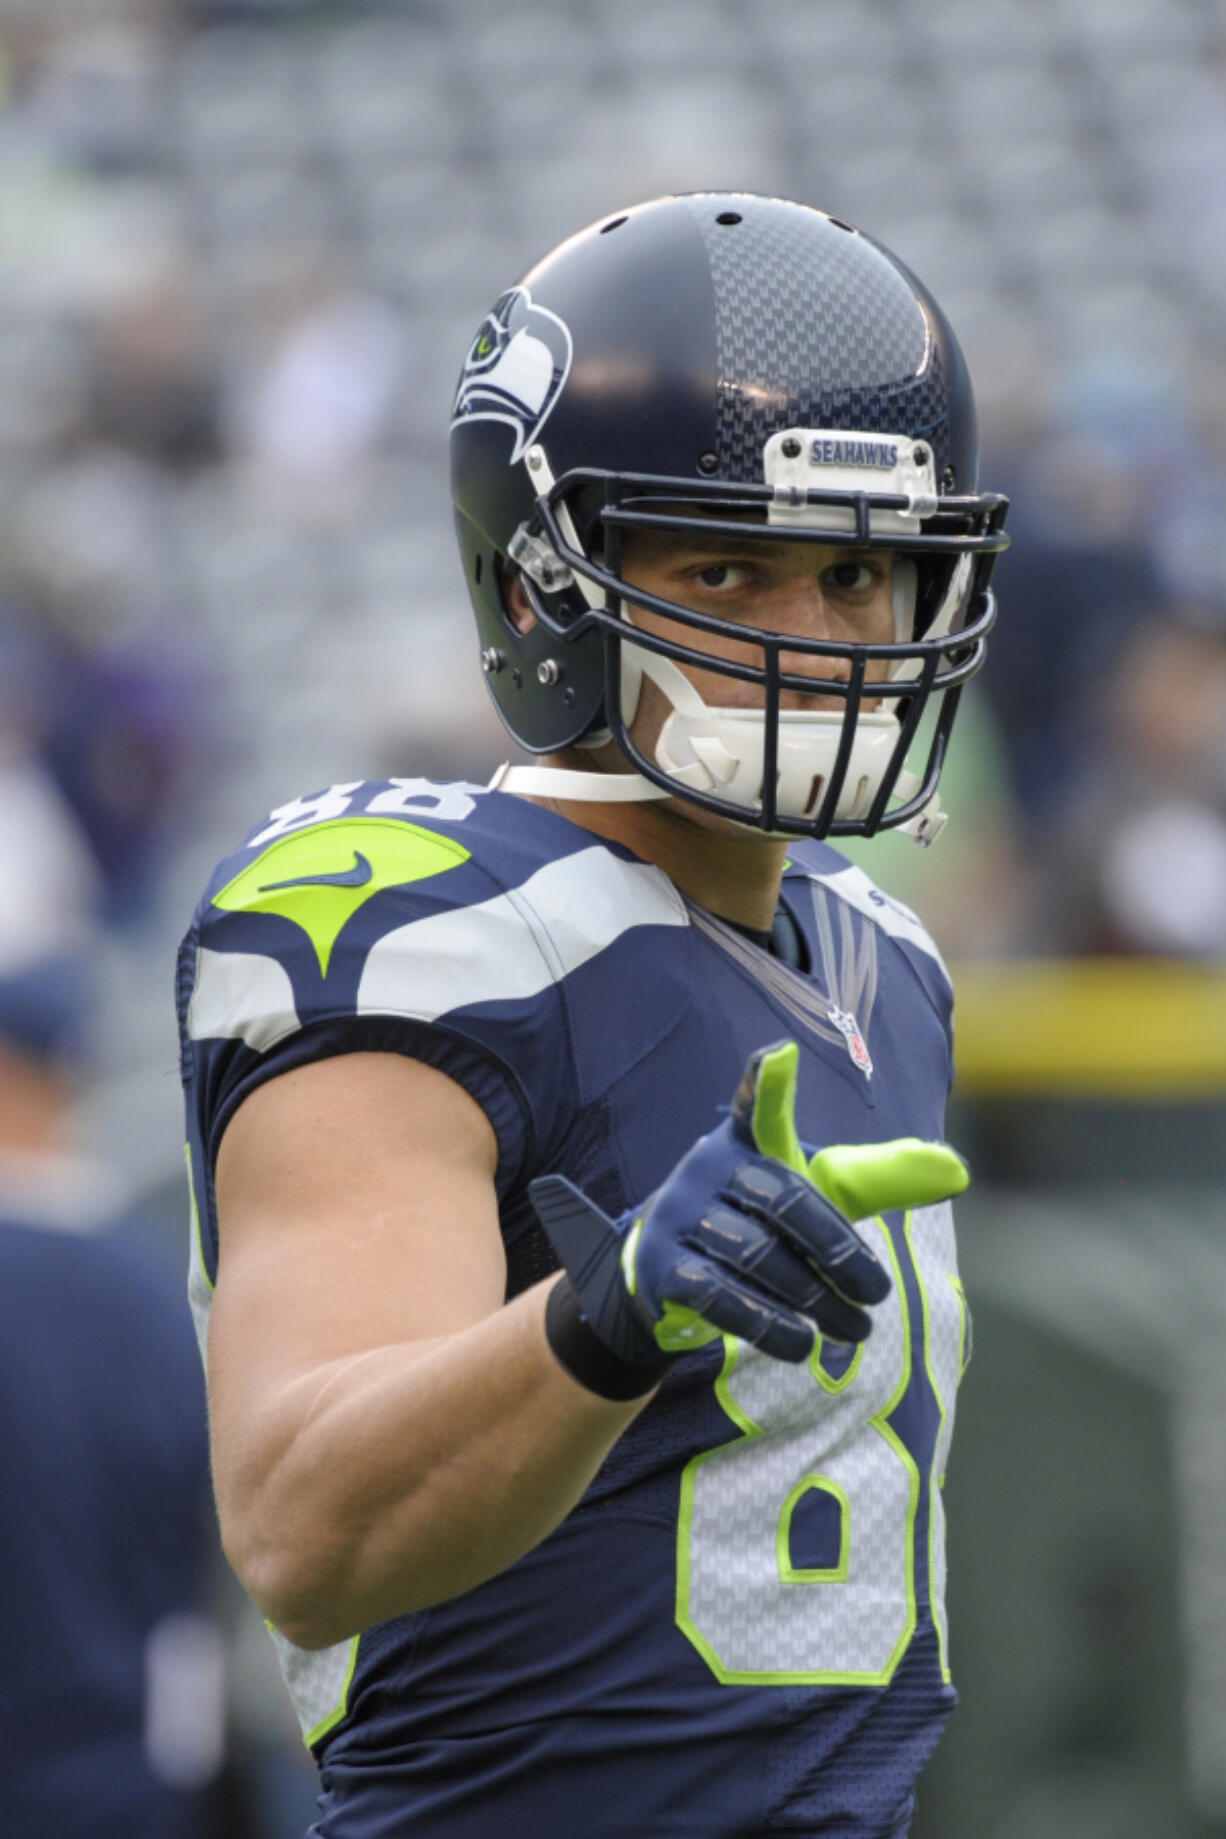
836, 770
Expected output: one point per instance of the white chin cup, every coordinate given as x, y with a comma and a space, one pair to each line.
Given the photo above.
726, 747
730, 744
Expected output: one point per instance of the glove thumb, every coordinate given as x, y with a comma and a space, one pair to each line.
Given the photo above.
764, 1105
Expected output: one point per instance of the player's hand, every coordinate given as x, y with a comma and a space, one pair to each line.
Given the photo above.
750, 1235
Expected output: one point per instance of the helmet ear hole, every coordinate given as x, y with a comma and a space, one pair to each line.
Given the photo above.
516, 607
560, 607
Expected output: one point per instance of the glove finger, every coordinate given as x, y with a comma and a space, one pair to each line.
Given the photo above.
867, 1178
740, 1243
764, 1105
725, 1237
840, 1320
736, 1308
792, 1206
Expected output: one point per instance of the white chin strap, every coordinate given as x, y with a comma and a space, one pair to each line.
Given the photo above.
721, 751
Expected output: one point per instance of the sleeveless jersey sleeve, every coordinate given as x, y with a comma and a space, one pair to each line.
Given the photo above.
444, 928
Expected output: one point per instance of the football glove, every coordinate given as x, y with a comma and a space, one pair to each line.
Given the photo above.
750, 1235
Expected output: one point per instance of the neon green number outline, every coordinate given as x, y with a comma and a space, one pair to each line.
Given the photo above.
965, 1347
826, 1380
749, 1431
937, 1481
341, 1709
831, 1574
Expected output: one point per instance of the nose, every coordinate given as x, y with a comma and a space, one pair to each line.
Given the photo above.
803, 612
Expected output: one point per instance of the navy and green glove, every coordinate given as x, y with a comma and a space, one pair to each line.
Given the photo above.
750, 1235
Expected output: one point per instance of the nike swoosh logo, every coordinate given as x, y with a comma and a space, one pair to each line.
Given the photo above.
355, 877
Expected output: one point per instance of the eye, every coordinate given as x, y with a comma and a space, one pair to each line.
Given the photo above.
852, 577
721, 575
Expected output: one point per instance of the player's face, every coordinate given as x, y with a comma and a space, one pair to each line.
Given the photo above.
806, 590
803, 590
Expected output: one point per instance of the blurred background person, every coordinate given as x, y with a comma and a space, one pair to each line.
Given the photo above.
112, 1703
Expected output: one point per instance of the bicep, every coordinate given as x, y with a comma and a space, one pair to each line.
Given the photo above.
356, 1210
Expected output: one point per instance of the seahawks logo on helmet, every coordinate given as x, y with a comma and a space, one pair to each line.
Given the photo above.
515, 368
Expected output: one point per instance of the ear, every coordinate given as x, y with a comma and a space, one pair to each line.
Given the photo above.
519, 610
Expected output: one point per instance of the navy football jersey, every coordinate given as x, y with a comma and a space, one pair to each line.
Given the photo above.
739, 1630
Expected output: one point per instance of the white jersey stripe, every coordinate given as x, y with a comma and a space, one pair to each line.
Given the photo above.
860, 891
517, 944
241, 996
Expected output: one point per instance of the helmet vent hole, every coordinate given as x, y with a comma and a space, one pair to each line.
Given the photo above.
614, 223
729, 217
815, 792
477, 571
840, 225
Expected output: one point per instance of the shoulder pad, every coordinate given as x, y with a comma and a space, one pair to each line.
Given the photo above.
411, 899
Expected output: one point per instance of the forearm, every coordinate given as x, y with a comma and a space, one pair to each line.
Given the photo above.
408, 1474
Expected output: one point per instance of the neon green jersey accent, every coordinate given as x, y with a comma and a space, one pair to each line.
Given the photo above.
320, 1682
341, 1708
828, 1382
318, 878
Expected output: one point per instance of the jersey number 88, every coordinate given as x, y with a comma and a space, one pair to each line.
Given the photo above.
754, 1616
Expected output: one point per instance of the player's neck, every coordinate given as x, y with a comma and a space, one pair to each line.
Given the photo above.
728, 869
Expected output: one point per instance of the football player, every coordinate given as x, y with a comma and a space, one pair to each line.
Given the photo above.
573, 1257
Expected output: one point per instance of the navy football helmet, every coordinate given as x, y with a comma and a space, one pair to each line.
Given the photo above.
722, 362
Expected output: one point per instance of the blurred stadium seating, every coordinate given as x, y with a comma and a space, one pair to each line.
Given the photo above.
242, 247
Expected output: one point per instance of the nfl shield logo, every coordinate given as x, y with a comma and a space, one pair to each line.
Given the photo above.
849, 1028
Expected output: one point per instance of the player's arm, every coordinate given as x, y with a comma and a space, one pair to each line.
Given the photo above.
386, 1434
